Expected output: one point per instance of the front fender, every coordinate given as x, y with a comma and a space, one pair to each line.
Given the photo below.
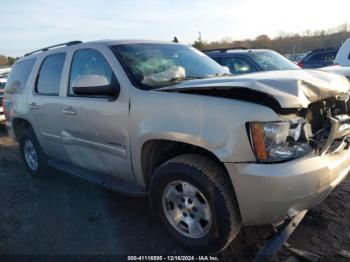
215, 124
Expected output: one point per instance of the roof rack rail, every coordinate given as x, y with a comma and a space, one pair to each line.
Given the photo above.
224, 49
325, 49
54, 46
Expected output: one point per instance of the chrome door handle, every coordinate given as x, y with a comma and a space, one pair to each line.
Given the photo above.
33, 106
69, 112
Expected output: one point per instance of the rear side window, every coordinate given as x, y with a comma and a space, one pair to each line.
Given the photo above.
49, 78
329, 57
316, 58
19, 75
89, 62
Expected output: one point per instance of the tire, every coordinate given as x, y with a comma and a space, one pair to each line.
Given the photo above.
213, 192
28, 141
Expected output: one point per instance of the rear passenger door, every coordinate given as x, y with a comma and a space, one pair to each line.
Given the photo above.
95, 129
44, 104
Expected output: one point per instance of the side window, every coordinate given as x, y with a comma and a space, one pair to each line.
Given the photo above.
316, 58
49, 78
237, 65
329, 57
89, 62
19, 75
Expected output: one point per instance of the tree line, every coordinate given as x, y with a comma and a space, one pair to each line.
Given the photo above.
285, 43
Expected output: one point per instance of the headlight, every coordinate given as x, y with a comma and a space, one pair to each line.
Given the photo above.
278, 141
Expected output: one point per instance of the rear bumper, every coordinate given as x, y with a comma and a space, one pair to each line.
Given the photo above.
267, 193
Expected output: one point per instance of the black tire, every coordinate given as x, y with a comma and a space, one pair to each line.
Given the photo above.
213, 182
41, 170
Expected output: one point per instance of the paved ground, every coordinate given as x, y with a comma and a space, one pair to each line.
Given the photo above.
66, 215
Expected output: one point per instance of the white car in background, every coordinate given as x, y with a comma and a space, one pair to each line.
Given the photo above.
2, 88
341, 62
343, 56
337, 69
3, 79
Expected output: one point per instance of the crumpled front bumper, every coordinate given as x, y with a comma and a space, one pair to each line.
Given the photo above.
267, 193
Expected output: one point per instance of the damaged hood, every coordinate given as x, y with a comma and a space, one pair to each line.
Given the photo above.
291, 89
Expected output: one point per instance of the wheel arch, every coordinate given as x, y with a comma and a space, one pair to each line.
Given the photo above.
19, 125
155, 152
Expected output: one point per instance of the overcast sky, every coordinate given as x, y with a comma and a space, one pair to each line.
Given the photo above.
30, 24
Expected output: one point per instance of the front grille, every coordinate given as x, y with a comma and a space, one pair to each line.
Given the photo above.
330, 122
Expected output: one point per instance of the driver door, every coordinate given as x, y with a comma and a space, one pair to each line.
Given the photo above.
95, 128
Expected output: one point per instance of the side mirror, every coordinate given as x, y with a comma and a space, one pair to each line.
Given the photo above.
95, 85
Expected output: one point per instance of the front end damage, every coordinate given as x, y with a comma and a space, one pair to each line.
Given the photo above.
315, 103
282, 189
301, 157
330, 124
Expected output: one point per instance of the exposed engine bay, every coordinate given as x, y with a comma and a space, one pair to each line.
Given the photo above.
323, 126
327, 124
313, 106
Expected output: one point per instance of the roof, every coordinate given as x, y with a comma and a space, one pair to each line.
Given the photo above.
135, 41
106, 42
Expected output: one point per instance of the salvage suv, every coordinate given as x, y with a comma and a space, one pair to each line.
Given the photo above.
212, 151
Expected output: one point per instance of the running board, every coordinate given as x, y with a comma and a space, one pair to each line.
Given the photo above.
111, 182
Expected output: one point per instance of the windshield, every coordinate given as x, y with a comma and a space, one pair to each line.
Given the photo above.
271, 60
157, 65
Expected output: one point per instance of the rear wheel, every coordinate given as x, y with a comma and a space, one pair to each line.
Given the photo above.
32, 154
194, 200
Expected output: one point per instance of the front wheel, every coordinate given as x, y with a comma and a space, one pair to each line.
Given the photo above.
195, 202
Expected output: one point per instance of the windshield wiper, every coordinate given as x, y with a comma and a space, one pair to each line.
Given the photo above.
219, 75
198, 77
183, 78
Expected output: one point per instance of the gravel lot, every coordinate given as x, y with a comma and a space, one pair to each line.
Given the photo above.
68, 216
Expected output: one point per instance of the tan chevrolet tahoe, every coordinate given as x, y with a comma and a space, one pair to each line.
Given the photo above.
212, 151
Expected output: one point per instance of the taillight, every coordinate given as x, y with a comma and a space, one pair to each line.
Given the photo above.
301, 64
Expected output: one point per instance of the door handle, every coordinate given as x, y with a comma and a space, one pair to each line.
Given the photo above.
69, 112
33, 106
